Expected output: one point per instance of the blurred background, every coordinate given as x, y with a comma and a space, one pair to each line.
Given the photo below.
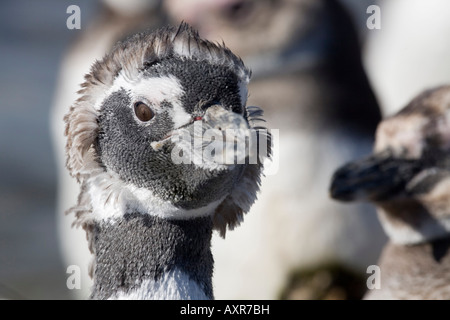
323, 78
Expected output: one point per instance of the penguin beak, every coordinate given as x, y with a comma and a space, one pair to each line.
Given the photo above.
232, 137
376, 178
219, 136
219, 118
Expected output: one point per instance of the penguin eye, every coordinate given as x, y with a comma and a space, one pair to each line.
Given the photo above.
143, 111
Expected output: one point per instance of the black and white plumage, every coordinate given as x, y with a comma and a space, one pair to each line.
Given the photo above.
408, 178
114, 20
307, 72
148, 219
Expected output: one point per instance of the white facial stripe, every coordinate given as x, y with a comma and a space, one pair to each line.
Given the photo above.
153, 91
145, 201
179, 116
112, 198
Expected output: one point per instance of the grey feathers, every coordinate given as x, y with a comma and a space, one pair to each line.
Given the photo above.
103, 137
146, 247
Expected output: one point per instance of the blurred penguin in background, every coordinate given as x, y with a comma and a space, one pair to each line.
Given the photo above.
115, 20
296, 243
407, 177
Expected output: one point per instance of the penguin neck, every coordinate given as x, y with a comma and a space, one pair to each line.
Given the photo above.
140, 256
409, 223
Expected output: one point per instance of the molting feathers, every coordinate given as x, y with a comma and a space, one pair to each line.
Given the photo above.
153, 59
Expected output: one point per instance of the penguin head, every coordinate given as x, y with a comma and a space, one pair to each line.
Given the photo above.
408, 175
154, 116
411, 153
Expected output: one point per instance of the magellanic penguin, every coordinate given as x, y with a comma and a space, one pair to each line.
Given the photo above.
153, 189
307, 72
408, 179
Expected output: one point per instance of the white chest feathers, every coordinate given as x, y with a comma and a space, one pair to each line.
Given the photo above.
174, 285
